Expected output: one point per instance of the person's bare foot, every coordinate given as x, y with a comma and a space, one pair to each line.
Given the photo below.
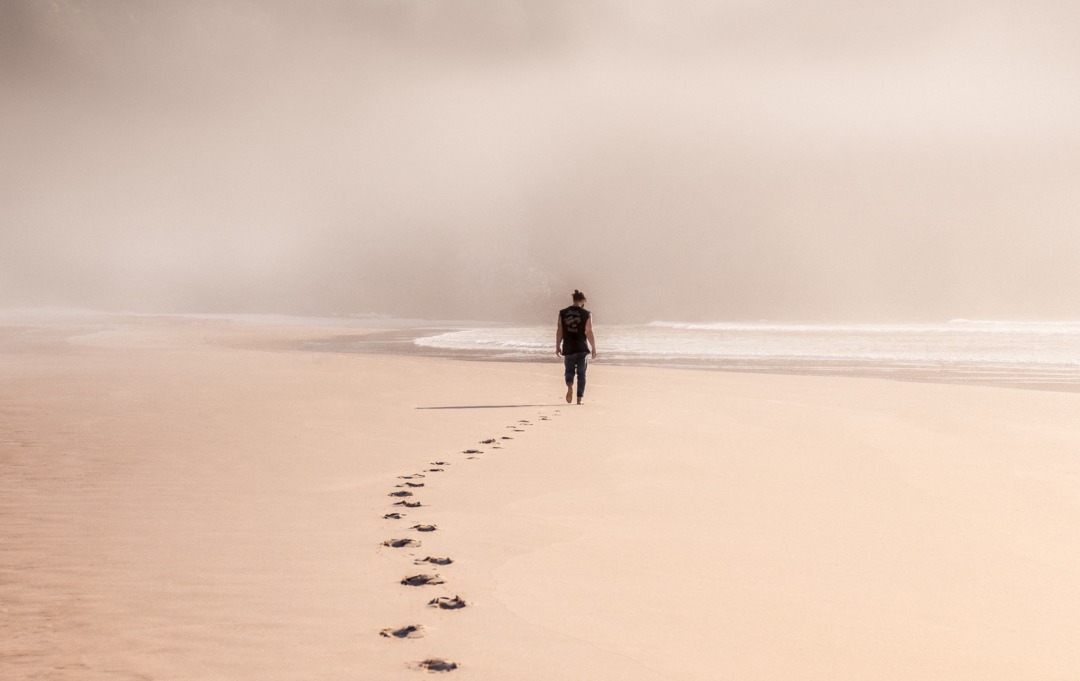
569, 392
579, 400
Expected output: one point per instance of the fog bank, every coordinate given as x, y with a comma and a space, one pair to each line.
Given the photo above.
481, 159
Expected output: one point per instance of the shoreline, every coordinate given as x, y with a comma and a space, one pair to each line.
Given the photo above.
401, 342
376, 335
196, 499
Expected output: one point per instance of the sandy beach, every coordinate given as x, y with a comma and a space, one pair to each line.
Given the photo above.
191, 499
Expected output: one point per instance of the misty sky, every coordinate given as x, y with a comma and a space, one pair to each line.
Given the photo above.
750, 159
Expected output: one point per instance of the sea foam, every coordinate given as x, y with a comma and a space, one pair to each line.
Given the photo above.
1005, 352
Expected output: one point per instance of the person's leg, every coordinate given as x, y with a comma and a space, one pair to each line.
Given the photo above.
582, 364
568, 364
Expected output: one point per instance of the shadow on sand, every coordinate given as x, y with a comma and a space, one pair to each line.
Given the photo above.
491, 406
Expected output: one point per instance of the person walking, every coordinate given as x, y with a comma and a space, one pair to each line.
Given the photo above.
574, 341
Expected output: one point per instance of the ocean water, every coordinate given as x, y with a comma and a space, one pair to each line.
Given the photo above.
1023, 354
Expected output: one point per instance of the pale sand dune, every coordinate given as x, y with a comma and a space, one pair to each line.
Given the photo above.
191, 500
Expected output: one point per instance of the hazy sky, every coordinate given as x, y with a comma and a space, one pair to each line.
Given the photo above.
837, 160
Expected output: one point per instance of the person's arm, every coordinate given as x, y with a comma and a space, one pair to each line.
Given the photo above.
558, 337
588, 334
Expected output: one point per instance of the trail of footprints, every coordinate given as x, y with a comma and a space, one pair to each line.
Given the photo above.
402, 492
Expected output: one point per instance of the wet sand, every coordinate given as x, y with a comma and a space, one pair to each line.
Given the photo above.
195, 499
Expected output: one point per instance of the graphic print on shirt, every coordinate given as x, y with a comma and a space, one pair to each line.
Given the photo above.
572, 321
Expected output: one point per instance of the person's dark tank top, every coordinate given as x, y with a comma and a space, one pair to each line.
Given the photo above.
573, 321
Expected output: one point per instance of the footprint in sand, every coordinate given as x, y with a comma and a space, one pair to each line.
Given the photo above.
446, 603
435, 470
544, 418
410, 484
433, 561
436, 664
472, 451
408, 504
440, 463
422, 580
411, 631
519, 430
506, 437
393, 516
411, 477
424, 528
489, 441
402, 493
400, 543
527, 423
